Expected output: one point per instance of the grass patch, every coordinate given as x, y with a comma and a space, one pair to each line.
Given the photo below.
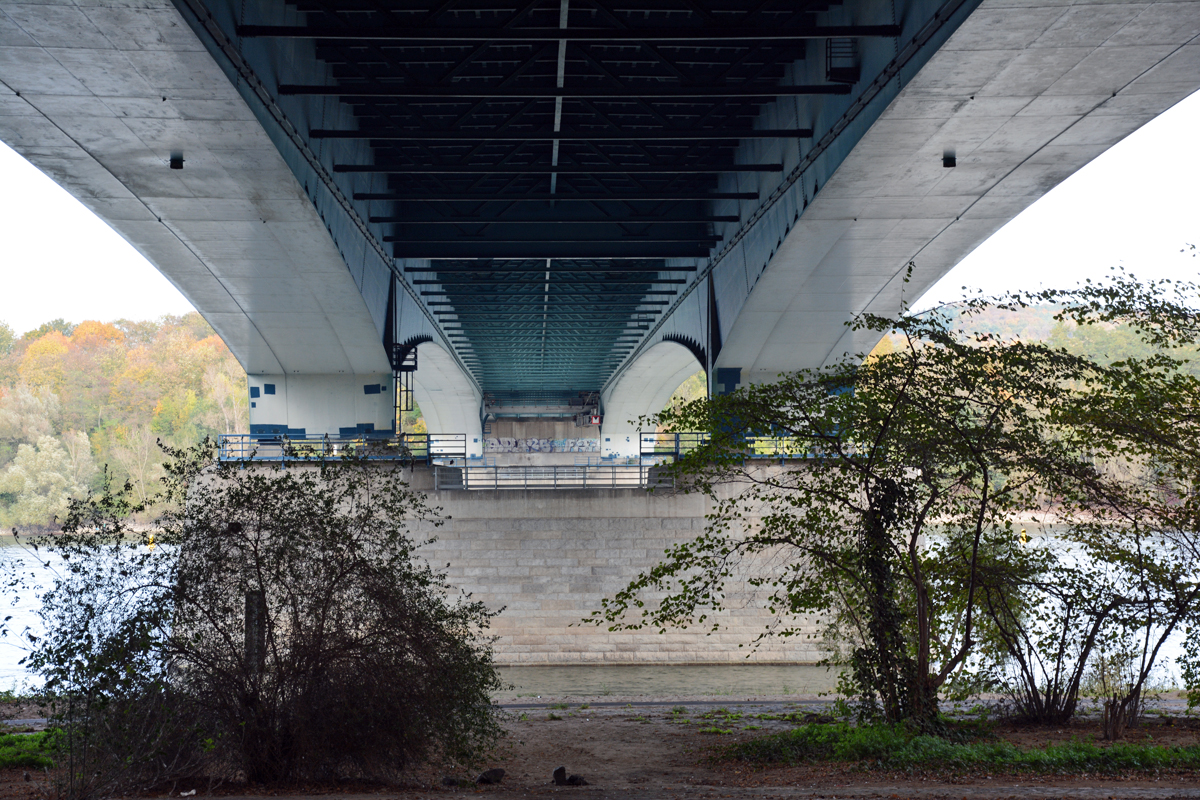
26, 750
895, 748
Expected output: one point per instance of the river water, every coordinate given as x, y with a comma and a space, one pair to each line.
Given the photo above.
582, 680
658, 680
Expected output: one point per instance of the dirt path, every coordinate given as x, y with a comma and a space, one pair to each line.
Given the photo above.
658, 750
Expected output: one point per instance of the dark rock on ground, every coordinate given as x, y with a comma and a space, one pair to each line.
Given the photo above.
492, 776
561, 779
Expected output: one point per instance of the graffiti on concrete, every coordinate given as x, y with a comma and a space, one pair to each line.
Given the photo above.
506, 444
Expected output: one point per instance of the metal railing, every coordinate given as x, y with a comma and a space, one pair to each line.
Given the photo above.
596, 476
680, 444
420, 447
670, 444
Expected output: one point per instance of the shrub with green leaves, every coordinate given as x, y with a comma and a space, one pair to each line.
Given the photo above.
281, 625
29, 750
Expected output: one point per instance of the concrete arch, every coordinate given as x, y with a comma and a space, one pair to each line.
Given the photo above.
448, 398
644, 388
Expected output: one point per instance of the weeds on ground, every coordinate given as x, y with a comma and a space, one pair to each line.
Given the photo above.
27, 750
897, 748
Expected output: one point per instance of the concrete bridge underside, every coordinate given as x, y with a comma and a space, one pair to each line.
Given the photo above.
266, 229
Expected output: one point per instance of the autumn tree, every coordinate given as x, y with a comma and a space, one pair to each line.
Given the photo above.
121, 385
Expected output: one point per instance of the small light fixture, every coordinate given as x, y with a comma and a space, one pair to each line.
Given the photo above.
176, 160
949, 159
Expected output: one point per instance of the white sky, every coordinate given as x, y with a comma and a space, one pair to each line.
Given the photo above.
1138, 205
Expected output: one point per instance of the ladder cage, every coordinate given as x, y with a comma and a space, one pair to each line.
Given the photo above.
841, 61
404, 364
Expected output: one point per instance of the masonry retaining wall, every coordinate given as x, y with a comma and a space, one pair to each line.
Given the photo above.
548, 557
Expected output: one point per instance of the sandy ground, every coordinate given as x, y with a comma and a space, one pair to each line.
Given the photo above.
645, 750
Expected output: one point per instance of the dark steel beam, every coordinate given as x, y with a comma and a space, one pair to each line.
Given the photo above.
548, 356
534, 250
485, 283
550, 306
562, 292
570, 370
552, 338
552, 270
550, 169
629, 239
526, 346
693, 220
557, 341
525, 325
537, 316
702, 135
694, 35
459, 92
662, 251
645, 195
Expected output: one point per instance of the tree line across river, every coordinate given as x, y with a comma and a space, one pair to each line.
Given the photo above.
75, 398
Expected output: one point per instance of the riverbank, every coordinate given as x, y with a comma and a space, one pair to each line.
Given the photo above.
671, 747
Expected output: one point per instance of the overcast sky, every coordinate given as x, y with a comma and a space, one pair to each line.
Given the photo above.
1136, 205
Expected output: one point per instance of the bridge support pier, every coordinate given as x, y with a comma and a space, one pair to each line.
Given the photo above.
549, 557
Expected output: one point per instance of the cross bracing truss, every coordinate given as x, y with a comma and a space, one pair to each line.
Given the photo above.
548, 157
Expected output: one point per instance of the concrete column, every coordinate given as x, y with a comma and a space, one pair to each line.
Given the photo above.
644, 388
448, 399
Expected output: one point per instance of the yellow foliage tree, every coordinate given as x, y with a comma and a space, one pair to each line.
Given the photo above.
43, 364
91, 334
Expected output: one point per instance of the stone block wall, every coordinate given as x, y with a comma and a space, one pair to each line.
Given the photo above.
548, 557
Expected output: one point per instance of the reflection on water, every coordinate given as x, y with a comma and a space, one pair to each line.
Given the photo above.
20, 608
548, 681
657, 680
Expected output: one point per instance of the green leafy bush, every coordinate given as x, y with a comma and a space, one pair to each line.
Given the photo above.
30, 750
280, 624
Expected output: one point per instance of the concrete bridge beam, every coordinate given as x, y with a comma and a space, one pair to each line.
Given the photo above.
102, 97
643, 389
449, 400
1015, 101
